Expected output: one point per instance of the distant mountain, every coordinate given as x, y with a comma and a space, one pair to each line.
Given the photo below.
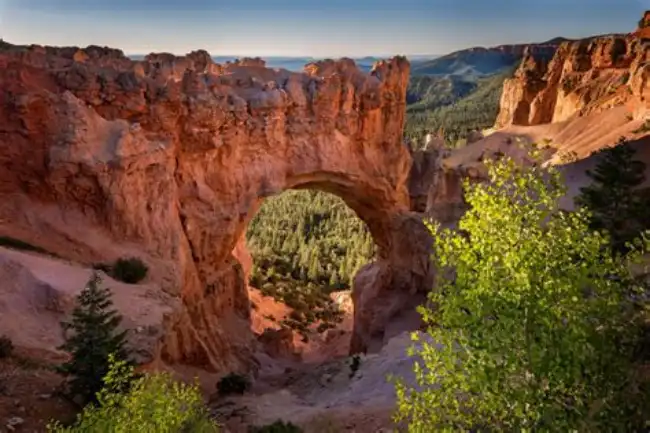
426, 92
480, 61
444, 80
469, 106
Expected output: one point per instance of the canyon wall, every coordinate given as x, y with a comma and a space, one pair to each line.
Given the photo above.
584, 96
583, 77
169, 158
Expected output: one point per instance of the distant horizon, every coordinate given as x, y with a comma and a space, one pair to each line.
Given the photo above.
314, 57
369, 56
310, 28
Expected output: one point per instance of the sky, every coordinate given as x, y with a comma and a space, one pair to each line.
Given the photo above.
317, 28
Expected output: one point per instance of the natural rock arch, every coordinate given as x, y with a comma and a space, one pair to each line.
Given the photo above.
171, 156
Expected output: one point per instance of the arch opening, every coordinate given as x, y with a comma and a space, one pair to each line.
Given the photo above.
306, 246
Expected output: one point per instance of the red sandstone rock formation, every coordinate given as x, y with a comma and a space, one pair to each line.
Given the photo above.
643, 29
583, 77
169, 158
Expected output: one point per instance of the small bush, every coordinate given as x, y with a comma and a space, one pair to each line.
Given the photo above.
569, 84
624, 79
6, 346
149, 403
233, 383
643, 128
277, 427
131, 270
354, 365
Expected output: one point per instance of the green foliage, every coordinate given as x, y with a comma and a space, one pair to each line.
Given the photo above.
354, 365
624, 78
306, 244
278, 426
17, 244
150, 403
469, 63
645, 127
130, 270
614, 198
91, 336
6, 346
567, 157
476, 110
427, 92
532, 325
570, 83
233, 383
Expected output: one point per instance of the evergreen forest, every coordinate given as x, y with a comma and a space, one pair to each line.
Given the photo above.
305, 245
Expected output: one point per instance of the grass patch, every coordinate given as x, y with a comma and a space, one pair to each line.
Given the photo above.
277, 427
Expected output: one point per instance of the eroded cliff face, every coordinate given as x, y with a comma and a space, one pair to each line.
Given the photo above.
583, 77
169, 158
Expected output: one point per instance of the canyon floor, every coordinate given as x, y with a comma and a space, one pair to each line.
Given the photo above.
319, 397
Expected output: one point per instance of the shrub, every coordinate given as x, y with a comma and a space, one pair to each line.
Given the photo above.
150, 403
536, 328
130, 270
233, 383
624, 78
93, 338
17, 244
567, 157
645, 127
6, 346
354, 365
614, 199
569, 84
278, 426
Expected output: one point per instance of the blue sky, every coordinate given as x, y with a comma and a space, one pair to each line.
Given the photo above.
309, 28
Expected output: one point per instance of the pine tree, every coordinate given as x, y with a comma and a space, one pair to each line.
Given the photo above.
93, 338
616, 203
314, 269
334, 280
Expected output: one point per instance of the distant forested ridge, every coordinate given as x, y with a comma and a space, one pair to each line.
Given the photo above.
474, 111
460, 92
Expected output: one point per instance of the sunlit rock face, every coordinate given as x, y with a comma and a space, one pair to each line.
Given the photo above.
169, 158
582, 77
